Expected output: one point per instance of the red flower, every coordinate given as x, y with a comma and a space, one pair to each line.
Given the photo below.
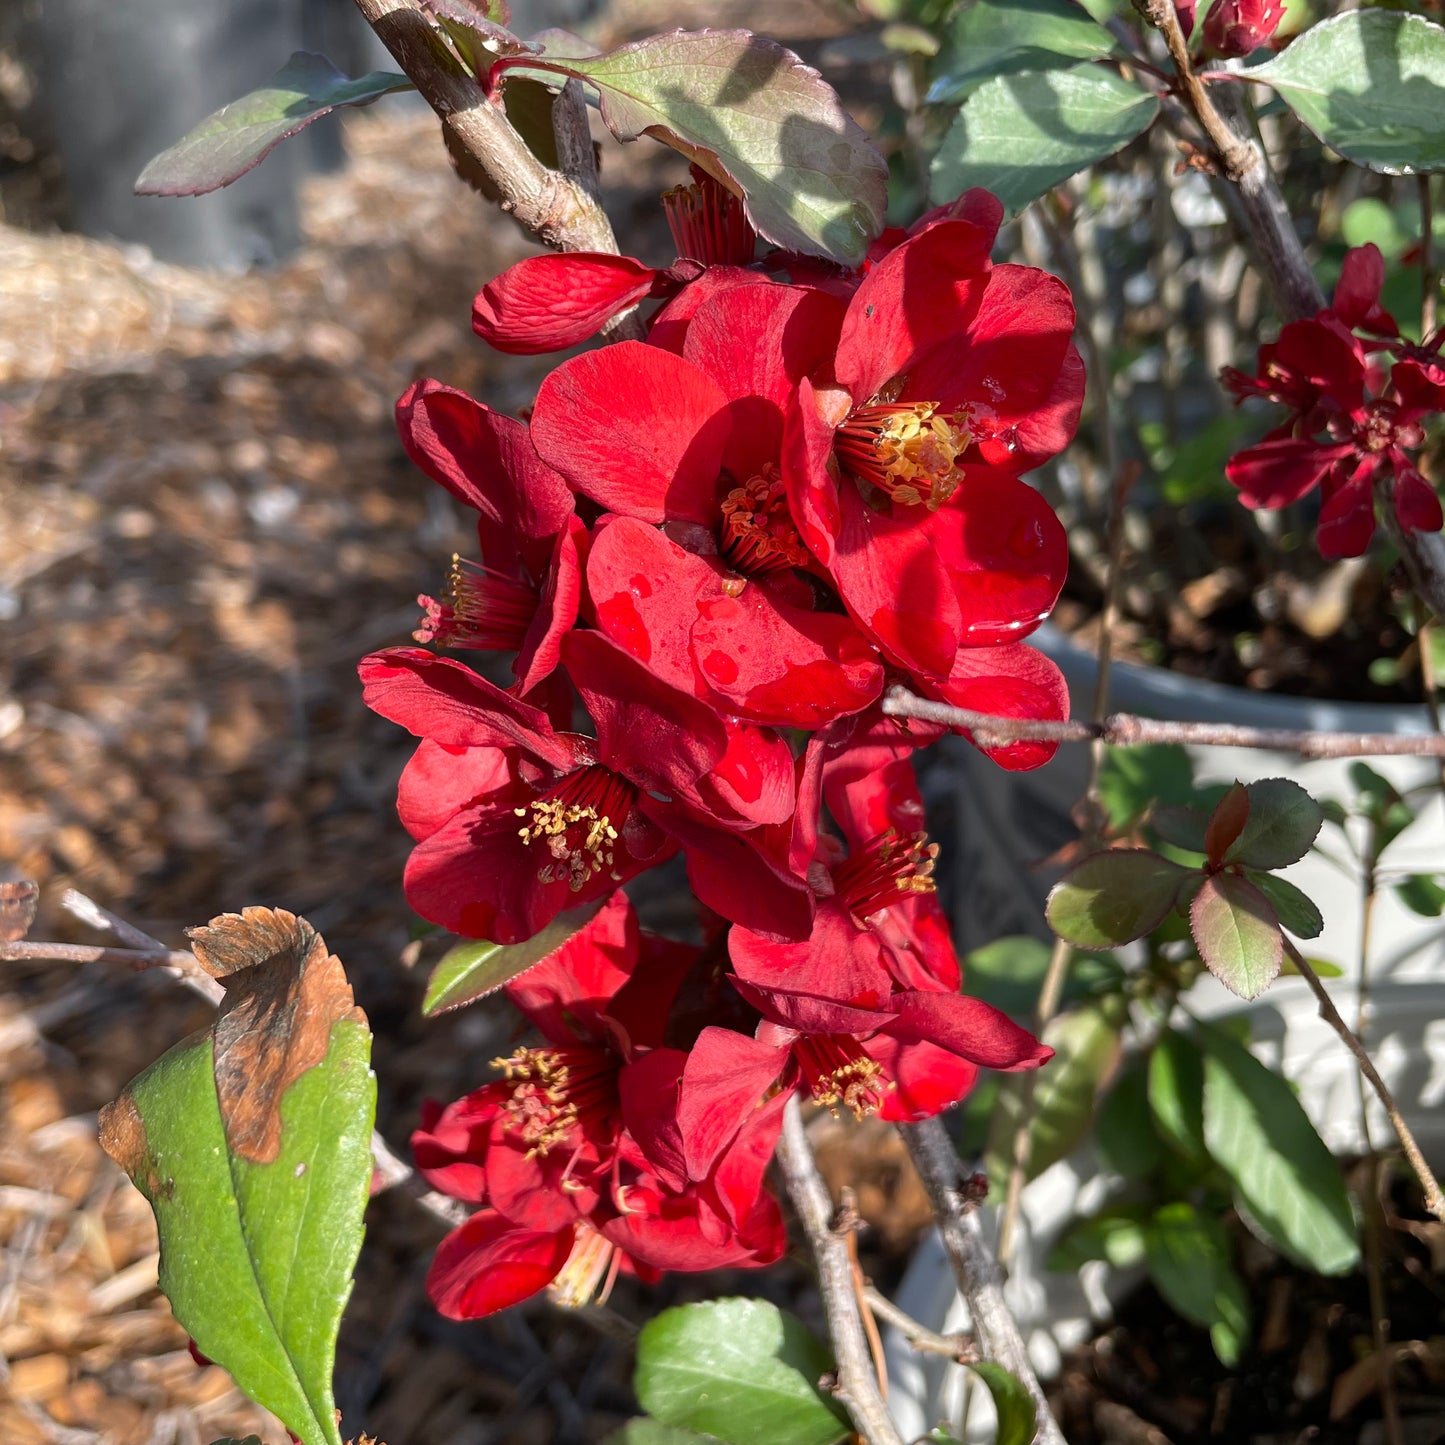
1240, 27
546, 303
711, 603
1353, 424
523, 595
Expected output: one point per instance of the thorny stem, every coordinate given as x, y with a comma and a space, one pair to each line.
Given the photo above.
1434, 1199
857, 1386
143, 951
1126, 730
980, 1280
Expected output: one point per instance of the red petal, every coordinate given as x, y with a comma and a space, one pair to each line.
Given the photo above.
650, 1087
1347, 518
927, 1079
546, 303
1278, 472
981, 207
1416, 504
486, 461
541, 648
840, 963
1357, 292
969, 1028
637, 429
438, 698
808, 475
669, 325
489, 1263
925, 290
753, 779
439, 781
726, 1074
450, 1148
1015, 681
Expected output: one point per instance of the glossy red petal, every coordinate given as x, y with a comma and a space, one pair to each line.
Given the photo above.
669, 325
450, 1149
650, 1088
1347, 518
1015, 681
921, 293
926, 1079
546, 303
639, 430
438, 781
896, 587
1362, 277
489, 1263
1416, 503
487, 462
968, 1027
1280, 471
809, 472
839, 962
541, 649
753, 780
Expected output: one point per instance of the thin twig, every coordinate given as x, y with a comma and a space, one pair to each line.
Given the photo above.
1126, 730
846, 1224
1434, 1199
1429, 283
857, 1386
391, 1171
979, 1279
958, 1348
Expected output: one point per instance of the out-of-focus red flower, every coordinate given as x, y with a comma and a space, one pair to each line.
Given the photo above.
1354, 421
1240, 27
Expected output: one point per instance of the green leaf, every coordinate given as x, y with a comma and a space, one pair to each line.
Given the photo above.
1127, 1140
1237, 934
748, 111
1009, 972
1421, 894
1134, 780
242, 134
1113, 897
1322, 966
1176, 1092
1017, 1414
643, 1431
739, 1369
1180, 827
1282, 1172
1000, 37
475, 968
256, 1259
1115, 1234
1295, 909
1367, 83
1190, 1262
1086, 1051
1019, 135
1283, 823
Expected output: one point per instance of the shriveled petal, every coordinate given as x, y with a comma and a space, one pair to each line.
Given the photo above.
547, 303
487, 462
1016, 681
489, 1263
639, 430
442, 699
968, 1027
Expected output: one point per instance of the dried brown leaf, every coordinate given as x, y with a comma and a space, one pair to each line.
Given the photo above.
284, 992
18, 902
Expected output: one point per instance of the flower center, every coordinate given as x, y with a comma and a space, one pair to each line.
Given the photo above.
909, 450
708, 223
839, 1072
757, 534
594, 1262
578, 821
479, 608
556, 1090
1380, 428
886, 870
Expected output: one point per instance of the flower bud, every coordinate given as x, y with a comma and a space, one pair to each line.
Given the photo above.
1240, 27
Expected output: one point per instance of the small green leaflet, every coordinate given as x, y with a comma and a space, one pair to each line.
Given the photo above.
1017, 1414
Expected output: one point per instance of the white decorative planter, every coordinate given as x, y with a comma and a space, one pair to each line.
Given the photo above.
1005, 823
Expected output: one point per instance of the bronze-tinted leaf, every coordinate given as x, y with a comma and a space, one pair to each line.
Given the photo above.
284, 992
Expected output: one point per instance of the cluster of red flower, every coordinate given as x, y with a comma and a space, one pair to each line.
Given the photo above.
722, 543
1359, 395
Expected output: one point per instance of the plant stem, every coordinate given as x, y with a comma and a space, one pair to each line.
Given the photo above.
1126, 730
561, 210
980, 1280
857, 1386
1434, 1199
958, 1348
1429, 282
